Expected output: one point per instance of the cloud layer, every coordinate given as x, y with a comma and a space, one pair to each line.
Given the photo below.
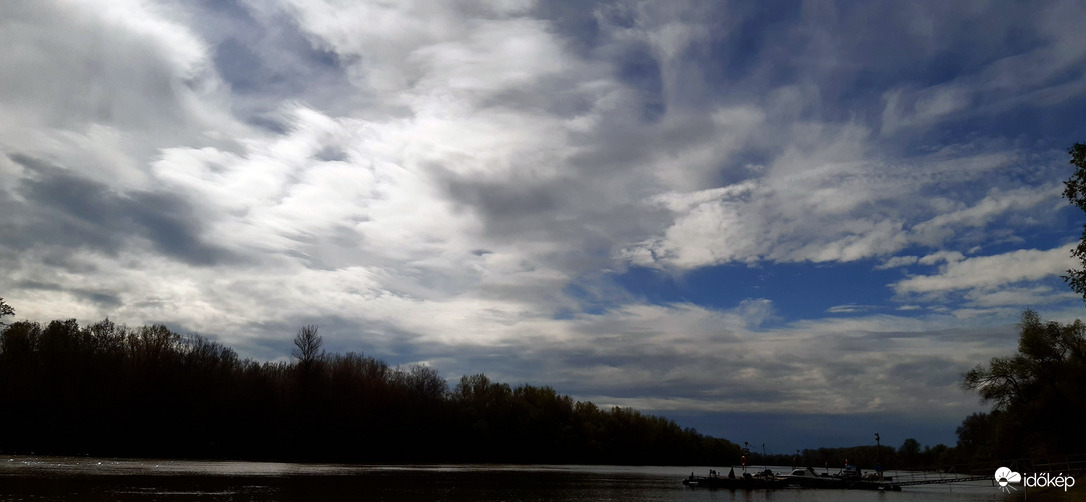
473, 185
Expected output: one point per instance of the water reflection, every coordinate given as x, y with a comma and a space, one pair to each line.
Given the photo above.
67, 478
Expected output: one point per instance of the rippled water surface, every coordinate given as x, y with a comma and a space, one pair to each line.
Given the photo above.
95, 479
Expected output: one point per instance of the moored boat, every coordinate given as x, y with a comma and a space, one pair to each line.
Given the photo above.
745, 481
809, 479
849, 478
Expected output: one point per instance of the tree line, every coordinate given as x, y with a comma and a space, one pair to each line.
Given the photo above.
106, 389
910, 456
109, 390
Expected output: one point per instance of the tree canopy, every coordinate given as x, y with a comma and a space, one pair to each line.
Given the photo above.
1039, 393
1075, 193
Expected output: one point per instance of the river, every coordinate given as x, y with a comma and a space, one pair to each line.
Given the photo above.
101, 479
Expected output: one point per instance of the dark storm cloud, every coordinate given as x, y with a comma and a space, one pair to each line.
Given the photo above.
57, 207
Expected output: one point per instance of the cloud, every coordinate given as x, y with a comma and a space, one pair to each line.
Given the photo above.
684, 357
989, 272
997, 203
1041, 75
1016, 297
851, 308
844, 210
797, 368
941, 256
103, 88
469, 184
898, 261
58, 208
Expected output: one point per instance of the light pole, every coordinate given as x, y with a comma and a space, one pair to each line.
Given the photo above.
878, 456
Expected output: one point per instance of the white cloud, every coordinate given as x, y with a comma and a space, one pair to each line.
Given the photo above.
989, 272
845, 209
897, 261
851, 308
927, 106
101, 87
1017, 297
798, 368
941, 256
996, 204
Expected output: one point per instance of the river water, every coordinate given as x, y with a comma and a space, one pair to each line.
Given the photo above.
100, 479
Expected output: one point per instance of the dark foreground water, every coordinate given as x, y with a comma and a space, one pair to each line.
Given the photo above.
94, 479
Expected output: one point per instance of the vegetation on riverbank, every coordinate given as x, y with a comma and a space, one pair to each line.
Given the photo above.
109, 390
1039, 395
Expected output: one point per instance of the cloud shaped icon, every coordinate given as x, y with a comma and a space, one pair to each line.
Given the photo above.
1004, 476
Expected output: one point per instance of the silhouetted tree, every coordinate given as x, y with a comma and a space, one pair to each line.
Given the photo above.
5, 310
1041, 390
1075, 193
909, 452
980, 439
425, 381
307, 346
106, 389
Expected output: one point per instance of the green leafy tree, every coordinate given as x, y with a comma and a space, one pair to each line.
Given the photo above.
1075, 193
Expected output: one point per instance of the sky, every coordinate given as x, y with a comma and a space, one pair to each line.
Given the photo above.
790, 223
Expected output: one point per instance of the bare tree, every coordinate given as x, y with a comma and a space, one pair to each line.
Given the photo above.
426, 381
307, 346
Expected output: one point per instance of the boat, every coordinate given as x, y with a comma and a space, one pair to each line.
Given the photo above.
849, 478
745, 481
809, 479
